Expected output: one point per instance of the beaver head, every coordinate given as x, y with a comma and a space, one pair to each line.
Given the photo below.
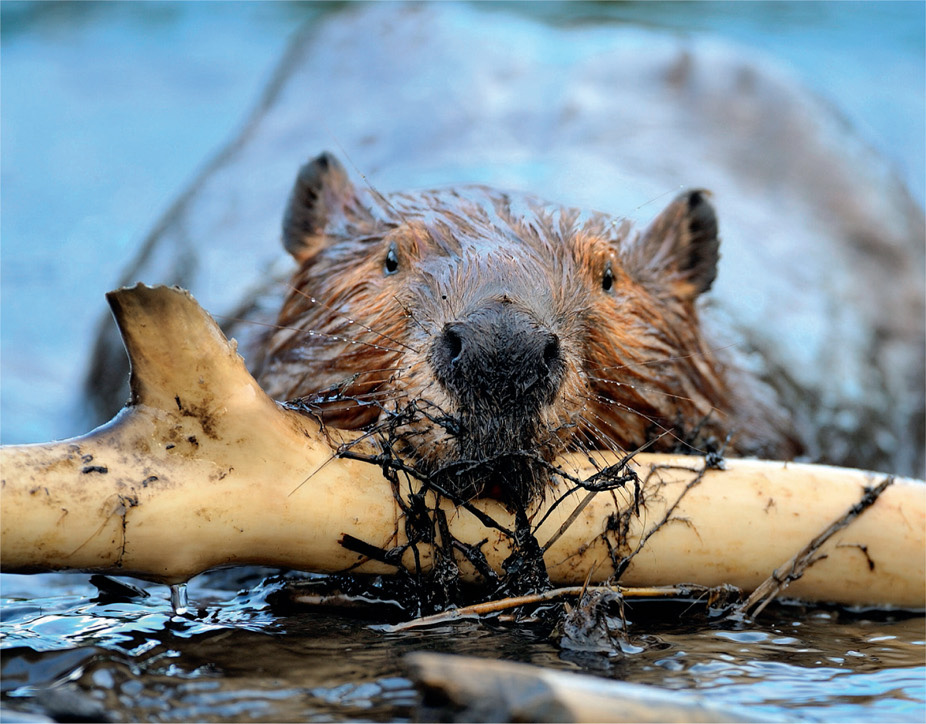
487, 332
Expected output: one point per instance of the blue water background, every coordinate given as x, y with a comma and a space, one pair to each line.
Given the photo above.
110, 109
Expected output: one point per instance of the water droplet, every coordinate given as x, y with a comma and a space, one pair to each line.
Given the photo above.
178, 599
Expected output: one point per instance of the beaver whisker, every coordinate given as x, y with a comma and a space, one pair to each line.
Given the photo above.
409, 315
320, 339
379, 394
596, 444
254, 322
339, 388
390, 402
334, 406
628, 454
381, 403
665, 431
666, 360
348, 320
372, 386
391, 370
596, 440
649, 388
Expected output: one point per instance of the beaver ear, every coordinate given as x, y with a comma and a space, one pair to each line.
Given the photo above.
681, 245
321, 191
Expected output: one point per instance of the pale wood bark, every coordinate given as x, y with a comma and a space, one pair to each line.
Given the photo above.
202, 469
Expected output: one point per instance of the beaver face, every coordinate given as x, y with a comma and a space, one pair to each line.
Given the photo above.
486, 333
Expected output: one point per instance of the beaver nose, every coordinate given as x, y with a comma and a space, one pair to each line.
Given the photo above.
499, 357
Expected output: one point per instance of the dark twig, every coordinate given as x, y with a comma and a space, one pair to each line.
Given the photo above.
488, 608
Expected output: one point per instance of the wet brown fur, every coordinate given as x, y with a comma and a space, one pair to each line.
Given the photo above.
379, 279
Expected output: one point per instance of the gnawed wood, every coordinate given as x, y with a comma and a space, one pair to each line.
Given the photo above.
781, 578
202, 470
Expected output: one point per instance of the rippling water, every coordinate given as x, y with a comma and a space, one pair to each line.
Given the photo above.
236, 658
108, 109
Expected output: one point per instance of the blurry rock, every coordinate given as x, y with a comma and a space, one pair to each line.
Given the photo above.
821, 285
70, 703
463, 688
11, 716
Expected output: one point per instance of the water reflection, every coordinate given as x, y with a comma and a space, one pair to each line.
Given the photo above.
237, 659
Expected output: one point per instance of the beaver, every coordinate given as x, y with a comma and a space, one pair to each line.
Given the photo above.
489, 331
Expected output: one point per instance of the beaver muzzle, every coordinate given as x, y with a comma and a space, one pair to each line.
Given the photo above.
501, 367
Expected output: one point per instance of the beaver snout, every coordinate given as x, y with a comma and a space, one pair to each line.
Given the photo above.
502, 371
500, 359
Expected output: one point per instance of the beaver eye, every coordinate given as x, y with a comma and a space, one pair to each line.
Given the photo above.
607, 279
391, 265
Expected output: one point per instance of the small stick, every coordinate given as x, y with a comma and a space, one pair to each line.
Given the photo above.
570, 520
488, 607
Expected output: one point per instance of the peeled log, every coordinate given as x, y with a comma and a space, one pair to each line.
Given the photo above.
202, 469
